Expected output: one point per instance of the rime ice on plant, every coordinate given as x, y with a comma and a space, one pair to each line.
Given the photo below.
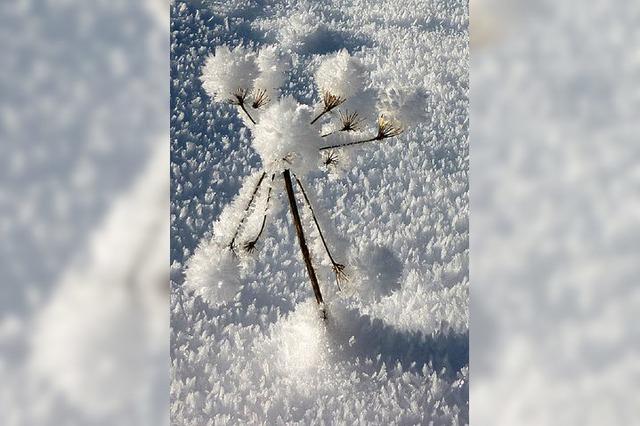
292, 140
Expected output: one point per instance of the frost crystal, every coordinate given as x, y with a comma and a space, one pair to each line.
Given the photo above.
341, 75
284, 139
229, 71
408, 107
213, 272
271, 74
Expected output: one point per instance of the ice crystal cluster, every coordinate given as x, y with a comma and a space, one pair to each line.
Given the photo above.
394, 349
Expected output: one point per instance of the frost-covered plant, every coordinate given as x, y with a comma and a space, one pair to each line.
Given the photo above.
290, 140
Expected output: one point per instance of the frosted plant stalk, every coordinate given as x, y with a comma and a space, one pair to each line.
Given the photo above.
290, 145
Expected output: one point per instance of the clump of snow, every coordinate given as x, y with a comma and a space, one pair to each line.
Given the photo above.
406, 106
284, 138
271, 75
301, 340
341, 75
213, 272
228, 70
229, 221
364, 104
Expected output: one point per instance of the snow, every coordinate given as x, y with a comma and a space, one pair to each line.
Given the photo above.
228, 70
555, 210
394, 348
272, 68
213, 273
284, 138
405, 105
84, 223
341, 75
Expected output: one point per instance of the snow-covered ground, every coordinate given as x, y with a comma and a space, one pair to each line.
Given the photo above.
555, 178
395, 347
84, 213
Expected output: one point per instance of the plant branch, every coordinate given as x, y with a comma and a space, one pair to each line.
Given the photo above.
340, 145
301, 240
251, 245
247, 112
386, 129
338, 268
239, 97
330, 102
324, 111
246, 211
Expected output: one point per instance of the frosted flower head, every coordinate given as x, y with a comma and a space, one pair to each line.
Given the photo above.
229, 72
340, 75
271, 76
284, 139
213, 272
403, 106
363, 104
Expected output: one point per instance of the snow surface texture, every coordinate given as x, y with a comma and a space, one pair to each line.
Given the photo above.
83, 213
555, 208
395, 347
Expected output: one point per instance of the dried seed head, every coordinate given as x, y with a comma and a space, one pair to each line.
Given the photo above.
341, 275
239, 97
350, 121
388, 128
250, 246
331, 101
260, 98
331, 160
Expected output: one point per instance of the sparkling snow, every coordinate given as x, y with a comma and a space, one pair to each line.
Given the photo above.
395, 346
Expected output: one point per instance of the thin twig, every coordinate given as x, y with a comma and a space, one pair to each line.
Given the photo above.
375, 138
338, 268
386, 129
251, 245
246, 211
247, 112
324, 111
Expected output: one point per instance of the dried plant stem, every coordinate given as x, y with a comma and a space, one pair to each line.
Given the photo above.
324, 111
340, 145
246, 211
338, 268
242, 107
300, 232
386, 129
239, 97
251, 245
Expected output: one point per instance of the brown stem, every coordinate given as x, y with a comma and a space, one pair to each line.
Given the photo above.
338, 268
340, 145
300, 232
241, 105
324, 111
246, 211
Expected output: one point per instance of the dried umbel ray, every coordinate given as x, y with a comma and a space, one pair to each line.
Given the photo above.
288, 119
